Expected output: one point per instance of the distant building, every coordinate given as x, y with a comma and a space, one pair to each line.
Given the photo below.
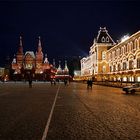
112, 62
33, 64
62, 73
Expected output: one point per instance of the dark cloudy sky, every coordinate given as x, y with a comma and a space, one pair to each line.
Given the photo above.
67, 28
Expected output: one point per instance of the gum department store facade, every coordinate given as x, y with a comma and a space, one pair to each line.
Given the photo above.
108, 61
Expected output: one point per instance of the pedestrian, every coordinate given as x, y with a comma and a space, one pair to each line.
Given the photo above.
89, 83
54, 82
65, 82
30, 82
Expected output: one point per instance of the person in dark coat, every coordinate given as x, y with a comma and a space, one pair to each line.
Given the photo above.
89, 83
30, 82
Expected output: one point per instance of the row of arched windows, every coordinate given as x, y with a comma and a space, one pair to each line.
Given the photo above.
125, 66
127, 48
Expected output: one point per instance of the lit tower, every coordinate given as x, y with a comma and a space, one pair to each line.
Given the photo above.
46, 59
59, 70
39, 54
54, 63
66, 70
20, 53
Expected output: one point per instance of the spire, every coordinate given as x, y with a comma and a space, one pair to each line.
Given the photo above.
20, 42
39, 44
20, 49
66, 67
59, 67
14, 59
46, 59
59, 70
54, 62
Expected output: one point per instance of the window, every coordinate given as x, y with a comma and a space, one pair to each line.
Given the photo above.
107, 39
114, 68
124, 65
119, 67
103, 39
104, 69
103, 55
138, 62
110, 69
131, 64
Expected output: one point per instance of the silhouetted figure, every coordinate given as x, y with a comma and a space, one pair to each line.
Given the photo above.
30, 82
53, 82
89, 84
65, 82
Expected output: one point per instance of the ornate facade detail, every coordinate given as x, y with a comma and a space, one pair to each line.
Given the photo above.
113, 62
35, 64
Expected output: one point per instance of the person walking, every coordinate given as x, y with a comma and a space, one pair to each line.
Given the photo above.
30, 82
89, 83
65, 82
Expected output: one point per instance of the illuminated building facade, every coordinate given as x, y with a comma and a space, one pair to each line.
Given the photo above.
108, 61
62, 73
32, 64
124, 60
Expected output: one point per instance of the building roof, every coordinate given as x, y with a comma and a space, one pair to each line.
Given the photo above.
104, 37
31, 53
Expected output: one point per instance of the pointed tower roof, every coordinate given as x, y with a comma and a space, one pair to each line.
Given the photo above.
66, 67
39, 44
20, 49
54, 63
104, 37
14, 59
59, 69
46, 59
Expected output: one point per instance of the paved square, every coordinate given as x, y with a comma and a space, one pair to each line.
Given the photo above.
102, 113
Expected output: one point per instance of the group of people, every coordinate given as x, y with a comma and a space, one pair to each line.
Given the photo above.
53, 82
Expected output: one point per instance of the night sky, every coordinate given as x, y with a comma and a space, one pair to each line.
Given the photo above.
66, 28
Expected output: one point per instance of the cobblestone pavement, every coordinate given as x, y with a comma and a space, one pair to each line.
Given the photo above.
24, 111
103, 113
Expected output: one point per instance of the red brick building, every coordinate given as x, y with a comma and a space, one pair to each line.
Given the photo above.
32, 64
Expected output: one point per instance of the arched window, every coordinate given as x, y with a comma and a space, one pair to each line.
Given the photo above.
131, 64
119, 67
107, 39
135, 44
104, 69
128, 49
103, 39
103, 55
138, 62
110, 68
114, 68
124, 65
124, 49
132, 46
138, 44
120, 51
